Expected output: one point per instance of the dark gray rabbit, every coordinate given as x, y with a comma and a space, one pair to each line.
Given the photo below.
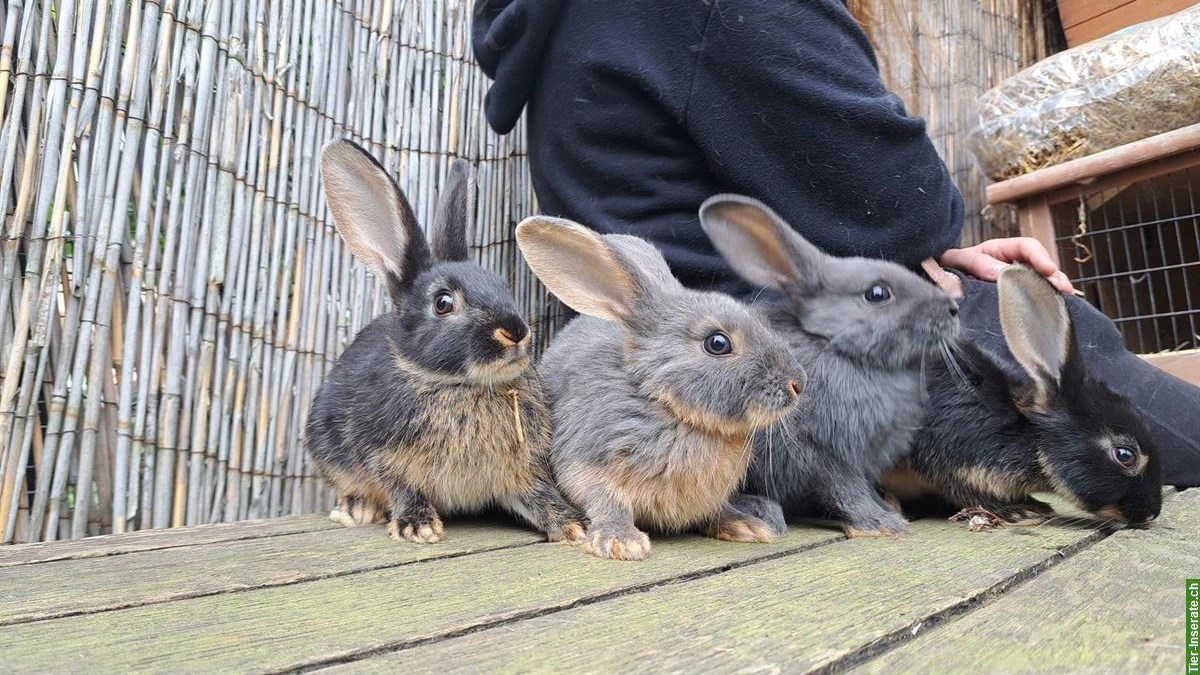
434, 407
862, 329
655, 393
992, 437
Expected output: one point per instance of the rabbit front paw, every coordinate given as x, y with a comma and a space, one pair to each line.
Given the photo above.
742, 528
762, 508
628, 543
355, 511
427, 530
877, 524
1029, 512
572, 531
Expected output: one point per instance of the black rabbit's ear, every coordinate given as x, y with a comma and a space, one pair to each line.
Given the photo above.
759, 245
1037, 328
373, 216
455, 205
611, 277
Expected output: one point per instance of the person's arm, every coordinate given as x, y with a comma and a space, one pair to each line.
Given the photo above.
788, 106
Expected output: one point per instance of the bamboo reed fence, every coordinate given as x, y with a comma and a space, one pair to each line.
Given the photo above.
938, 56
173, 289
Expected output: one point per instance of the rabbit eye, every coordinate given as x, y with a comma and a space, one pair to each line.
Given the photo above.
878, 294
443, 303
1124, 456
718, 344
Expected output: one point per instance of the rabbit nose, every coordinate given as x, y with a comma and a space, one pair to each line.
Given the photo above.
511, 334
795, 388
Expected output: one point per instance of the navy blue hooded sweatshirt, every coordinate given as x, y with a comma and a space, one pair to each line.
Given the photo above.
639, 110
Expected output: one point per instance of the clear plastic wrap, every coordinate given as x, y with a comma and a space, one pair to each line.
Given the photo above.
1138, 82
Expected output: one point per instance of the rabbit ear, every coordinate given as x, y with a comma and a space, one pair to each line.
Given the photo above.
1037, 328
455, 205
372, 215
758, 244
609, 277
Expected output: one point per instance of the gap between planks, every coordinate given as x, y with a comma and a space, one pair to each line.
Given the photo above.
958, 610
272, 584
1114, 610
401, 645
881, 645
858, 657
104, 546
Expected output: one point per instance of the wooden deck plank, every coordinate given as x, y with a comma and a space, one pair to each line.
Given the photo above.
1114, 608
787, 615
148, 540
307, 623
90, 585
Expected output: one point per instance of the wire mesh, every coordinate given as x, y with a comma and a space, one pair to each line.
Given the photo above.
1135, 252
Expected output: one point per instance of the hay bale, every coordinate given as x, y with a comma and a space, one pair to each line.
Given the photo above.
1135, 83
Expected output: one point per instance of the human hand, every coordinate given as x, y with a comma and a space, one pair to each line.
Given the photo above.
986, 259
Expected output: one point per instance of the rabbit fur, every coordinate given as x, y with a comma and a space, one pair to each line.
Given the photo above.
430, 412
862, 329
651, 429
994, 435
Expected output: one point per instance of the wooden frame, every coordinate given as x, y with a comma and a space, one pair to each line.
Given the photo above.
1185, 365
1086, 20
1034, 194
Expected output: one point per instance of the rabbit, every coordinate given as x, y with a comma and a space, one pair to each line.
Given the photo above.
862, 330
434, 408
655, 392
993, 436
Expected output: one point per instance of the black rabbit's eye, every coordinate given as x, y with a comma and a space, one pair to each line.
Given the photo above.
1124, 456
718, 344
878, 294
443, 304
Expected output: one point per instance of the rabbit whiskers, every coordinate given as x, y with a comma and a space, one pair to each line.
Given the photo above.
830, 341
763, 289
924, 388
948, 348
785, 426
771, 459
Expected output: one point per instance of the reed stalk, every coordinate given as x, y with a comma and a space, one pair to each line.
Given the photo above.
173, 288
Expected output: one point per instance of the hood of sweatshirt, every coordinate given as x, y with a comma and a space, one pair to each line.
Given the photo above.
509, 38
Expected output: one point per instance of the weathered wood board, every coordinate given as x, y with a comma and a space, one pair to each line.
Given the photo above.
300, 624
793, 613
149, 540
1116, 608
493, 597
90, 585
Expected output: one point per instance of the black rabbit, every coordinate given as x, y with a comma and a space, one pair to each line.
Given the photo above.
992, 436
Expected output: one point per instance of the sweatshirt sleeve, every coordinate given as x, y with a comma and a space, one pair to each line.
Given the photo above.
787, 104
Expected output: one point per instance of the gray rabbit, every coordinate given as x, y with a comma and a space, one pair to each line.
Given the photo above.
433, 408
656, 392
862, 329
